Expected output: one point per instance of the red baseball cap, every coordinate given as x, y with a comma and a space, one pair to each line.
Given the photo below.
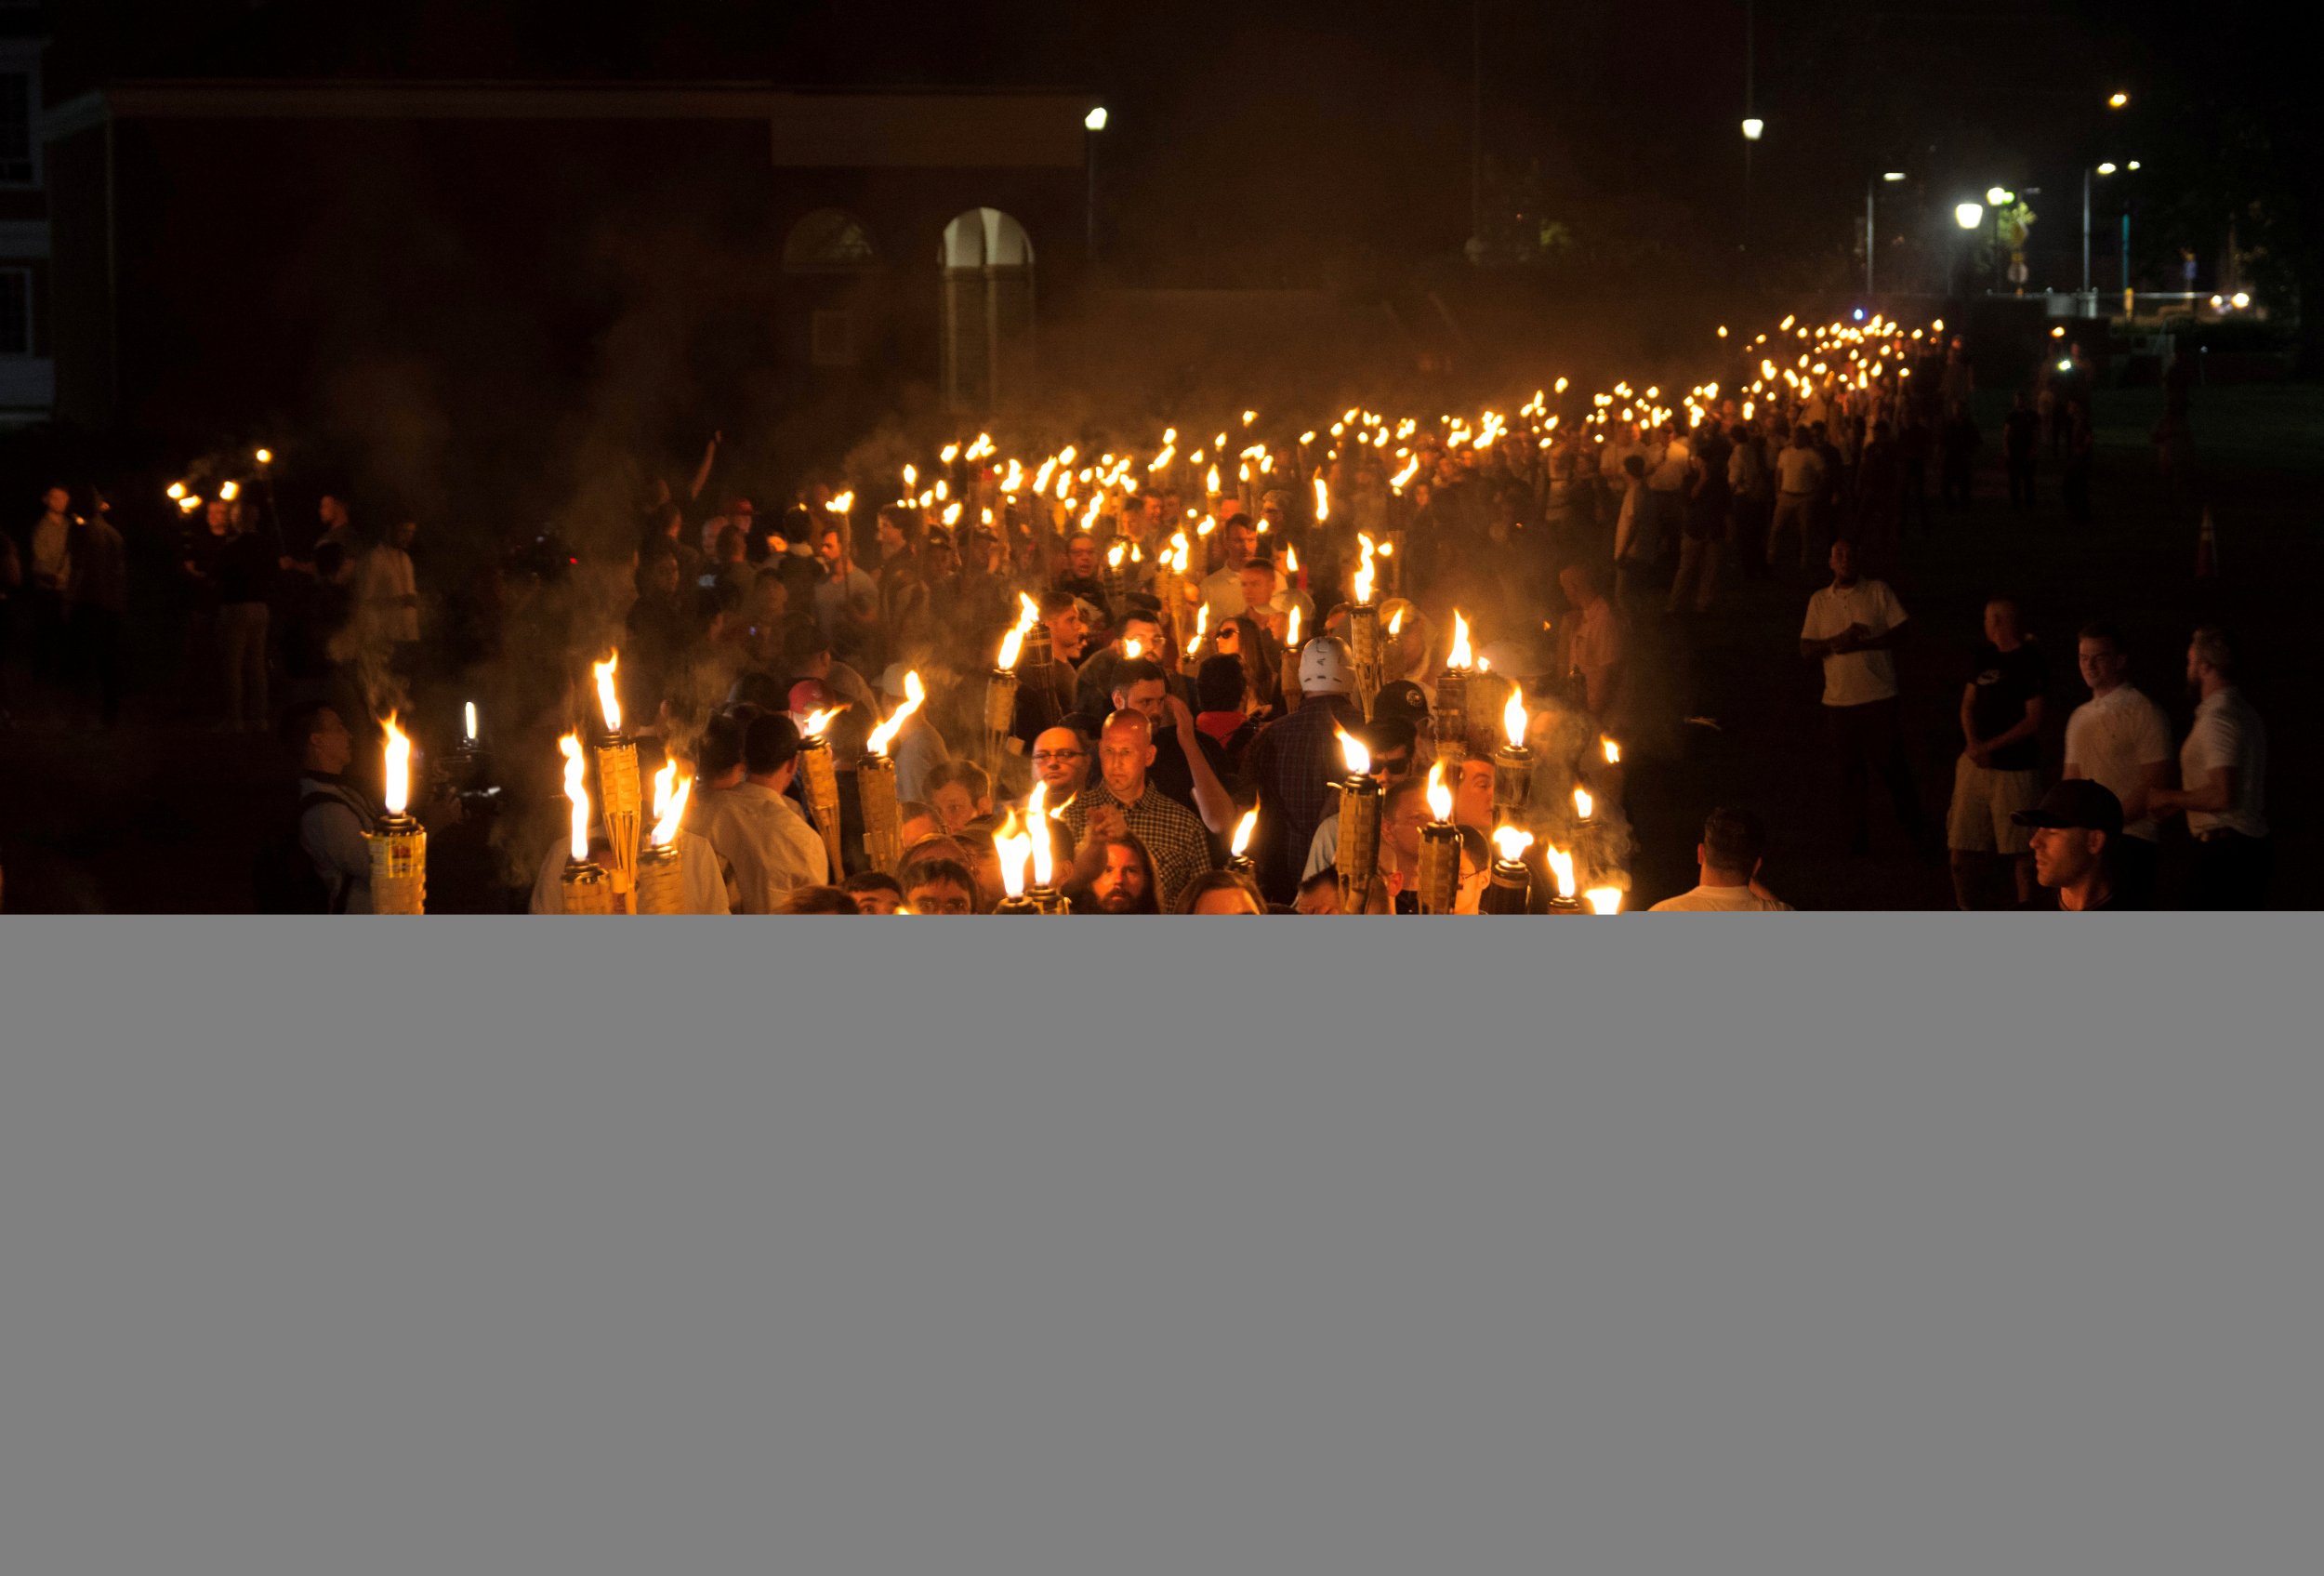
809, 694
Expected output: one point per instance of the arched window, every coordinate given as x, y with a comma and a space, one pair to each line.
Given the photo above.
828, 241
987, 281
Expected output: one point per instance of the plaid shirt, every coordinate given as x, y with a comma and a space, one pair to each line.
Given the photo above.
1293, 765
1180, 846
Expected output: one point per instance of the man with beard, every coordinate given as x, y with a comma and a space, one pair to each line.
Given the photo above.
1046, 690
1115, 876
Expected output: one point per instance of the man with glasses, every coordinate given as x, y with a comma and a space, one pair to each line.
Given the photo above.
1061, 759
1123, 802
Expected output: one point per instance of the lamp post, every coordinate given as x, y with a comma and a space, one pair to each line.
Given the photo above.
1094, 123
1969, 215
1869, 187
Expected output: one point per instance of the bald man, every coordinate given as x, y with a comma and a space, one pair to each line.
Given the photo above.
1061, 759
1121, 800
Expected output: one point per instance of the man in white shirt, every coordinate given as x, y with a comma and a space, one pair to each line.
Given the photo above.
1223, 593
1730, 856
1852, 625
2121, 739
1799, 482
2223, 773
755, 830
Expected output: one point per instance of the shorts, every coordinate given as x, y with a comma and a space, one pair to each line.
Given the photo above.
1984, 800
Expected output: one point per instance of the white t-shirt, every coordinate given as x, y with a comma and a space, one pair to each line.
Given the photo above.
1669, 472
1855, 678
1720, 900
1798, 469
2227, 733
2112, 738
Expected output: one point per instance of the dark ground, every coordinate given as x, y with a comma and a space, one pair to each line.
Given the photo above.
161, 816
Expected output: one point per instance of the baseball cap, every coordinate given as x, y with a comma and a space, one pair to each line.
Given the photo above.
809, 694
1401, 700
891, 680
2076, 802
1325, 666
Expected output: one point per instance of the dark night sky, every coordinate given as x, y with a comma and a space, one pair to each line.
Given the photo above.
1256, 142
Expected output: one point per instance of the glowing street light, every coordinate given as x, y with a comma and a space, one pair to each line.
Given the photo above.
1969, 215
1752, 126
2117, 101
1095, 119
2107, 168
1892, 175
2000, 196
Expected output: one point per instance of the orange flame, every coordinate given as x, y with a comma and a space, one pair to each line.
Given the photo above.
1613, 752
1511, 844
1202, 628
577, 793
1604, 899
1043, 850
1583, 804
1364, 576
1513, 718
670, 793
607, 701
1562, 870
1291, 627
1352, 749
1013, 844
1440, 805
818, 722
399, 783
1458, 655
885, 733
1132, 649
1243, 830
1395, 623
1323, 501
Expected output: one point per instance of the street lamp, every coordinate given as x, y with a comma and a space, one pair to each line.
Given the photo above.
1998, 196
1752, 128
1969, 215
1869, 187
2117, 101
1094, 122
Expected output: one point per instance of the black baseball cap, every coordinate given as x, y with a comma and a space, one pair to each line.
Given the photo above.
1401, 700
2078, 803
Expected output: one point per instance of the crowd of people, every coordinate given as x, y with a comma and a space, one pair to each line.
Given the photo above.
1193, 658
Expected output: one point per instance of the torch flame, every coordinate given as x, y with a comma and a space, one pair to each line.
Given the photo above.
1243, 830
819, 721
1511, 844
670, 793
1037, 825
577, 793
1013, 844
911, 477
1613, 752
607, 701
1132, 649
1562, 870
1352, 749
1323, 501
1115, 554
1440, 804
399, 781
1583, 804
1513, 718
1210, 482
1364, 577
230, 491
885, 733
177, 489
468, 718
266, 457
1202, 628
1458, 655
1605, 900
1291, 559
1010, 644
1395, 623
1291, 627
845, 501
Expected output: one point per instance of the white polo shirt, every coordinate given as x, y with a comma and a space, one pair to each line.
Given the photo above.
2112, 739
1855, 678
2227, 733
1721, 900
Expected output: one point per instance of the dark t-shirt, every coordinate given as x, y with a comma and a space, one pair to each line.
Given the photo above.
2005, 681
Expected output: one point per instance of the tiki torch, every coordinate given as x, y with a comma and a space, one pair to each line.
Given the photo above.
1562, 873
1043, 894
1513, 763
1169, 586
1014, 846
1292, 660
1190, 663
1113, 583
1363, 626
1451, 712
662, 867
1440, 848
1000, 688
821, 776
1359, 827
399, 848
620, 799
1239, 859
585, 886
1512, 882
876, 783
1488, 696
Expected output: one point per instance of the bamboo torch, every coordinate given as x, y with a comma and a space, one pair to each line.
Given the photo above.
1358, 858
1513, 763
662, 867
1511, 885
586, 888
1169, 586
876, 783
1000, 688
1451, 713
1363, 623
1440, 848
1044, 895
1014, 846
620, 799
822, 776
399, 848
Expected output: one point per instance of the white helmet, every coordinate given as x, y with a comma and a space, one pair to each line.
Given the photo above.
1325, 666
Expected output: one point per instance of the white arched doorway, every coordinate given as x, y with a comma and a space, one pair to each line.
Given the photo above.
987, 281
